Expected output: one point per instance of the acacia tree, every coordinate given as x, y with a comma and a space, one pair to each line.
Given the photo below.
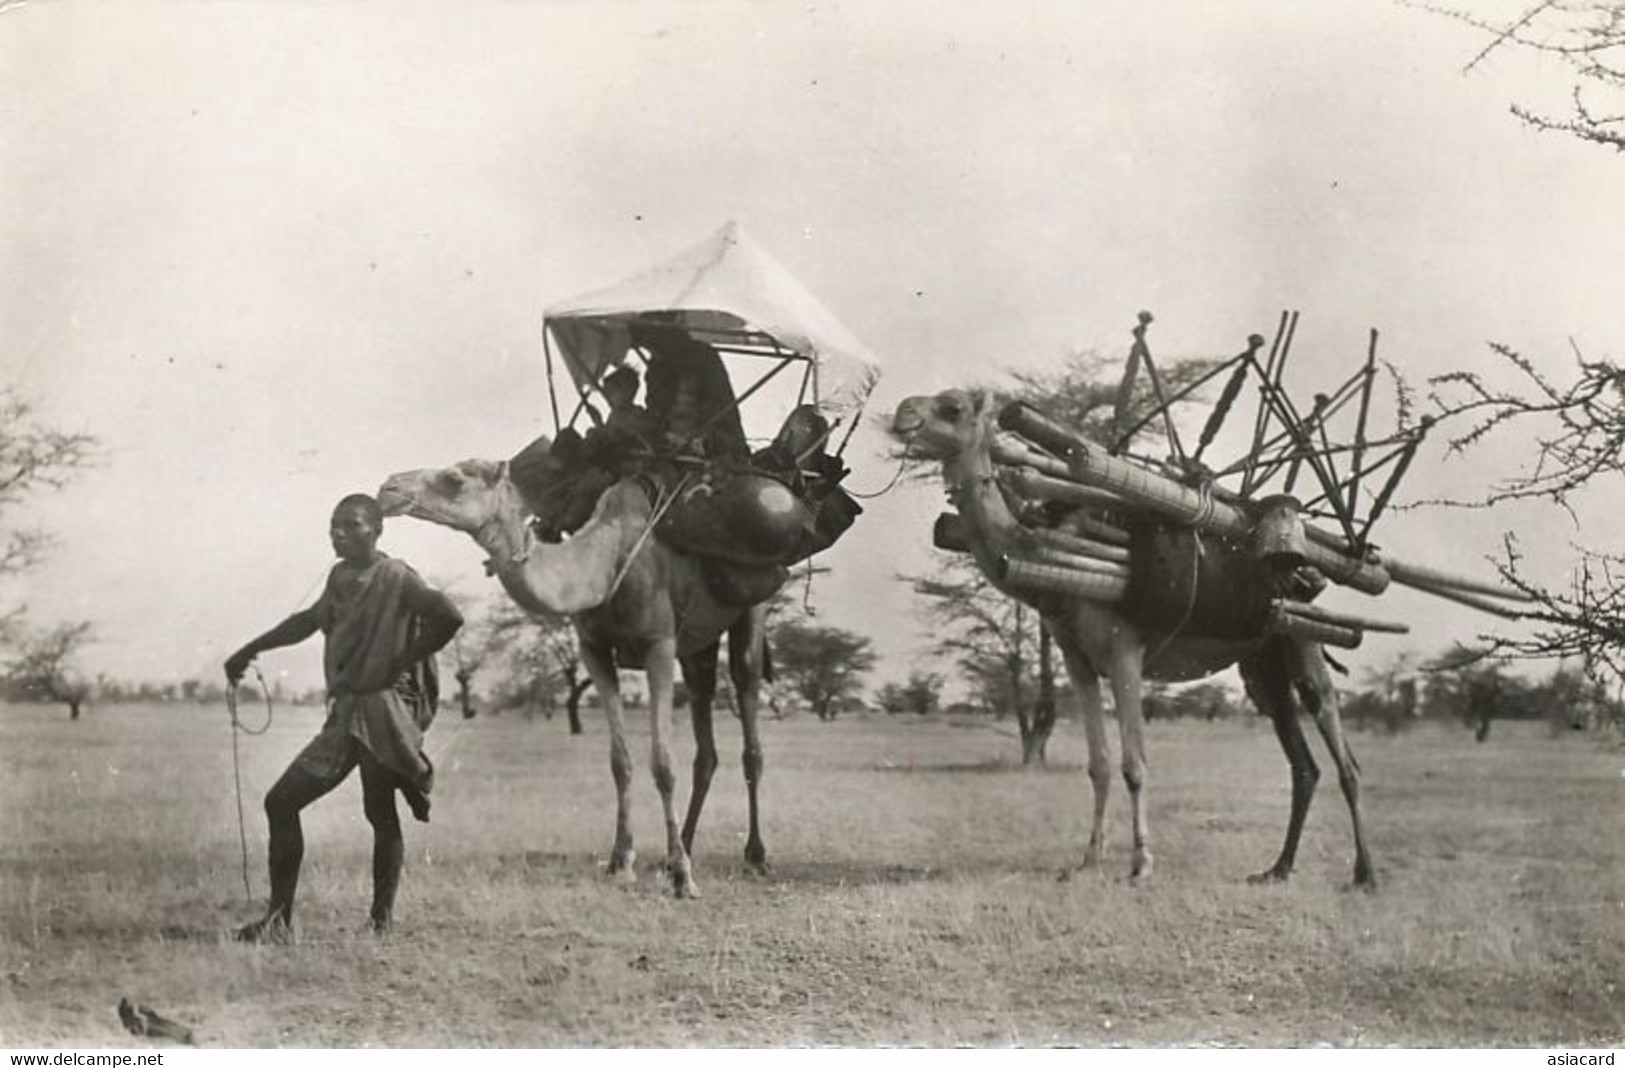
824, 666
44, 667
919, 696
539, 657
33, 458
472, 648
994, 640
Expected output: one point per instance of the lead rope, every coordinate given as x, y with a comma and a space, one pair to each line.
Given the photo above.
902, 465
237, 727
1197, 553
662, 505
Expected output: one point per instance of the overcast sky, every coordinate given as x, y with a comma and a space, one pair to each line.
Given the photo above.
272, 252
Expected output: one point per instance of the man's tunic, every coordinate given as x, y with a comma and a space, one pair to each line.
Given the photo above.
368, 619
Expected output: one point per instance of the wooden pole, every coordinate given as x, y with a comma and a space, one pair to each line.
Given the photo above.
1296, 626
1026, 574
1341, 619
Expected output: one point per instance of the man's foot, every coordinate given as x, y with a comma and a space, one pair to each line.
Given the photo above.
273, 930
380, 925
418, 802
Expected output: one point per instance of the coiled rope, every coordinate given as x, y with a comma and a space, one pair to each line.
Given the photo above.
237, 728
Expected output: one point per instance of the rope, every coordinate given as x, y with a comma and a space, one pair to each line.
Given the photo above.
662, 506
1190, 602
237, 728
902, 465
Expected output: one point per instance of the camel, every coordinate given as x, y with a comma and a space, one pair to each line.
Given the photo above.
956, 428
635, 603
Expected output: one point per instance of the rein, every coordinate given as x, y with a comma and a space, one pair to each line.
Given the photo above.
237, 728
902, 465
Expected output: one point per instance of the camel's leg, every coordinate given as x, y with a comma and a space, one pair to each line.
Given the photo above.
1127, 677
660, 667
600, 665
700, 673
747, 652
1270, 687
1086, 684
1315, 686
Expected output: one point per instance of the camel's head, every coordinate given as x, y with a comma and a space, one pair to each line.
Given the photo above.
944, 425
471, 496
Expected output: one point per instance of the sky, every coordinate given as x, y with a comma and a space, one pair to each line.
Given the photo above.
270, 253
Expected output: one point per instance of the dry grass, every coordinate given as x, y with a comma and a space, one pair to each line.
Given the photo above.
913, 898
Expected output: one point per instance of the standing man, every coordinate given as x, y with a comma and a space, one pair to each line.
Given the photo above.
382, 625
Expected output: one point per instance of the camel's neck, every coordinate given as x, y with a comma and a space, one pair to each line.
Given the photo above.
554, 579
974, 493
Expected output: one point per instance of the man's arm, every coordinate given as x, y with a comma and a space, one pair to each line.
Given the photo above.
441, 622
291, 631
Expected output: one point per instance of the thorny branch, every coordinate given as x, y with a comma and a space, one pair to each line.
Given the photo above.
1587, 420
1587, 35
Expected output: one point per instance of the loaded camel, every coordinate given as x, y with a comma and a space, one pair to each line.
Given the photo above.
1099, 639
635, 603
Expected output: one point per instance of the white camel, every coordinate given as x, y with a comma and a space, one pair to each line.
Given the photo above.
635, 603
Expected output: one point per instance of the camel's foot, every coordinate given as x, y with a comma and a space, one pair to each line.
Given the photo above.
1140, 870
1090, 862
1278, 874
622, 866
756, 858
1365, 877
273, 930
683, 885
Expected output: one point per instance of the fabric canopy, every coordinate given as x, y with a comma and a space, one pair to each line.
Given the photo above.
728, 291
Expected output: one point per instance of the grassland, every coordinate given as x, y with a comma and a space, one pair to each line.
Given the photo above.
913, 897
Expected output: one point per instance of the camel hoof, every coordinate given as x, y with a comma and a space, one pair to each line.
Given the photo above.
1273, 875
1363, 881
756, 862
1140, 871
683, 887
623, 869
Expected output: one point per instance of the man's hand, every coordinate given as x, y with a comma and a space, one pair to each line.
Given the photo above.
236, 664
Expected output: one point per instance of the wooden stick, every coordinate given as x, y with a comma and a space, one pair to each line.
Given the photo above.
1296, 626
1261, 418
1039, 428
1483, 604
1370, 376
1026, 574
1012, 449
1029, 483
1044, 554
1071, 543
1341, 619
1100, 530
1421, 577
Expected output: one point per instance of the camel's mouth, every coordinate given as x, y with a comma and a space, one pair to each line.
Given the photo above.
394, 501
907, 422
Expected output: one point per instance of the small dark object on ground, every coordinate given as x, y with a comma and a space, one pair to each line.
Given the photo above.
140, 1020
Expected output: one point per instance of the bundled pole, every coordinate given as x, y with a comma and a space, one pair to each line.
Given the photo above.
1052, 578
1030, 483
1317, 614
1094, 470
1285, 622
